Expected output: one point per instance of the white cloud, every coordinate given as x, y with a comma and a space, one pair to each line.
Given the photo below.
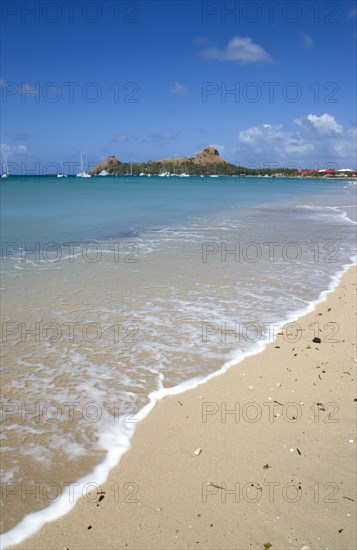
306, 40
178, 88
121, 138
318, 138
21, 150
272, 140
239, 48
325, 125
352, 13
14, 150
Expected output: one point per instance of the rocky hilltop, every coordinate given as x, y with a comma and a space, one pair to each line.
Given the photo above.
209, 155
110, 165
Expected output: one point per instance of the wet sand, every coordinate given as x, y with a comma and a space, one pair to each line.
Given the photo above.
262, 455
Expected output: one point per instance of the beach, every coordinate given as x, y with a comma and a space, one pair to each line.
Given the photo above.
262, 456
178, 258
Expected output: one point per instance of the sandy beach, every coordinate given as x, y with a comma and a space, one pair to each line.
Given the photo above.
261, 457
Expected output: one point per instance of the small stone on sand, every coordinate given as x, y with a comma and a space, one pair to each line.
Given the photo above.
197, 452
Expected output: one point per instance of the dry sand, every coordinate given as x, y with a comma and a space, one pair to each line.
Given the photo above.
286, 479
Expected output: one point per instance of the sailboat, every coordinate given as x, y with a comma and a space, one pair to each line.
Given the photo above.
61, 174
5, 173
164, 174
83, 173
184, 174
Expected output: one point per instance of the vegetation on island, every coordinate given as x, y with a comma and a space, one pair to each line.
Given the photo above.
157, 168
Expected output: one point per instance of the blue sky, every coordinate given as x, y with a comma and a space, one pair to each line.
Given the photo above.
150, 80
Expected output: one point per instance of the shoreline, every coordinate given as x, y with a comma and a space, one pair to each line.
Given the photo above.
44, 538
268, 176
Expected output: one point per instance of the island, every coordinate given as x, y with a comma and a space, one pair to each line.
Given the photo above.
207, 163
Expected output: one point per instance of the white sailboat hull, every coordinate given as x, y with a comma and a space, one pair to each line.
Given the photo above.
83, 175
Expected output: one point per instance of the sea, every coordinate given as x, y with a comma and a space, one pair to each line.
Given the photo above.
118, 291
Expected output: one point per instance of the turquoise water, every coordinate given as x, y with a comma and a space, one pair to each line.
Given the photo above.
138, 302
48, 208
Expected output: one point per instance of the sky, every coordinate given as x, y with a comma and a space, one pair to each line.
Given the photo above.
266, 82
